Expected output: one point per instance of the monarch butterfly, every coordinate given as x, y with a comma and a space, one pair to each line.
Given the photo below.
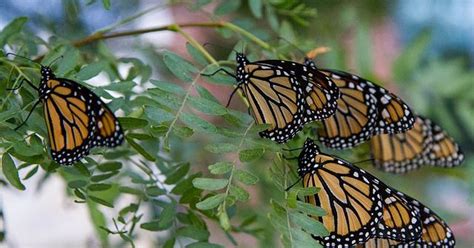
76, 118
284, 94
360, 207
435, 232
426, 143
363, 110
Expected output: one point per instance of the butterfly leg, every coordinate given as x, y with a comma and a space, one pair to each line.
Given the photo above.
21, 83
29, 114
231, 95
219, 70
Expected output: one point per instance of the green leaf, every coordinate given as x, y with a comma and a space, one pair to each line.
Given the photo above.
157, 115
239, 193
196, 54
154, 191
303, 239
308, 224
245, 177
220, 167
256, 7
167, 215
210, 183
183, 132
109, 166
178, 173
31, 173
14, 27
310, 209
121, 86
77, 184
197, 123
411, 57
153, 226
210, 202
98, 220
302, 192
251, 154
100, 201
11, 172
193, 232
106, 4
130, 190
140, 149
180, 67
221, 148
104, 176
91, 70
204, 93
226, 7
68, 61
168, 87
203, 245
129, 123
99, 187
206, 106
286, 31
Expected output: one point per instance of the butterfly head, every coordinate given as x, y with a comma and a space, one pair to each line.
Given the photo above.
306, 159
46, 72
308, 62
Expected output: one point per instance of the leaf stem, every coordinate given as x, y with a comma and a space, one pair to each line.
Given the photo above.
196, 44
235, 161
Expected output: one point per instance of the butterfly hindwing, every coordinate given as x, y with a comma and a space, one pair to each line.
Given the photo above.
425, 144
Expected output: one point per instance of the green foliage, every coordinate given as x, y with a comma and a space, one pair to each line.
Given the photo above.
187, 160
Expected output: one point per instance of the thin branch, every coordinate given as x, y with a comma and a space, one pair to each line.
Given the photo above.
171, 27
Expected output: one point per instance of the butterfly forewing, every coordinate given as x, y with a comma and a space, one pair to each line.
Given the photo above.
355, 117
348, 194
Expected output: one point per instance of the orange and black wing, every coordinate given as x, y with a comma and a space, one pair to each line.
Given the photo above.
394, 115
348, 194
403, 152
400, 221
444, 151
275, 98
70, 126
425, 144
355, 116
435, 232
73, 117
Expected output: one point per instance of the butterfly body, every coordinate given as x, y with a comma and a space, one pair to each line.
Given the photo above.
77, 119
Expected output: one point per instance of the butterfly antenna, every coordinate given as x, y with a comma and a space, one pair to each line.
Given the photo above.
216, 45
291, 186
293, 45
23, 57
55, 60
